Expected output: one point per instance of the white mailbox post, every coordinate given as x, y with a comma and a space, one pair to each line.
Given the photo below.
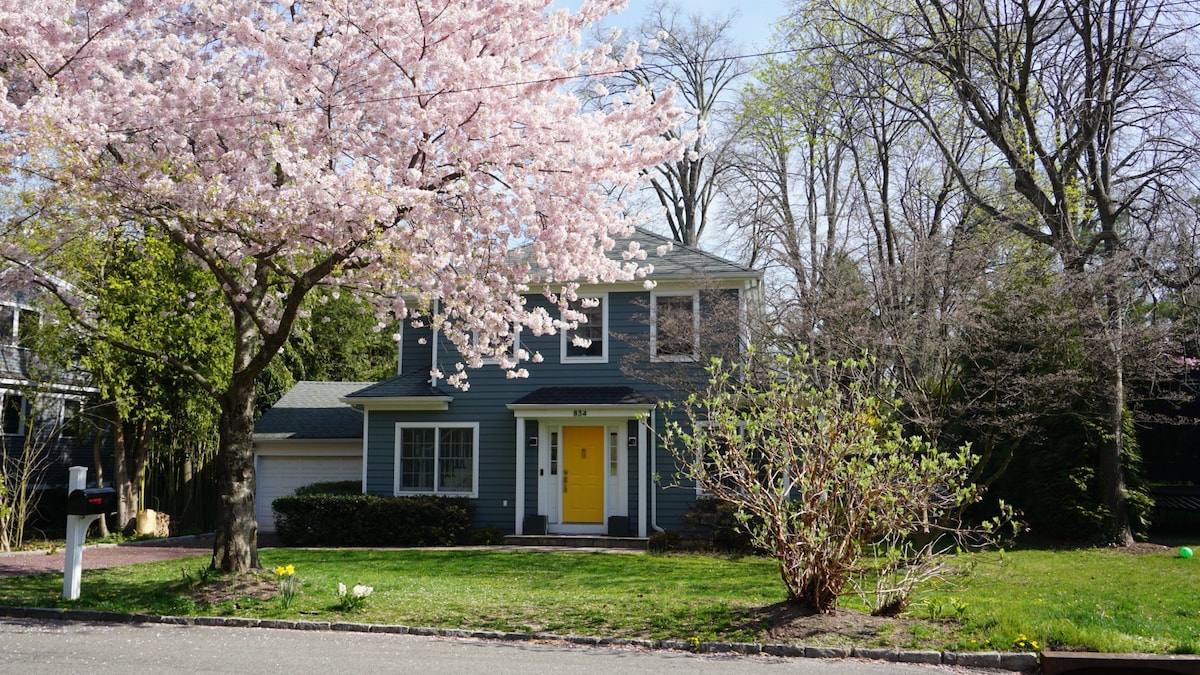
84, 507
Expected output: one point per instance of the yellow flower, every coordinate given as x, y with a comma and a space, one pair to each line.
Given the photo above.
285, 571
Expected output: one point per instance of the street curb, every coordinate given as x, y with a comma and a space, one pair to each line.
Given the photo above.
1011, 661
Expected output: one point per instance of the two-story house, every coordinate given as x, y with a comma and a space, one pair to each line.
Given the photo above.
571, 449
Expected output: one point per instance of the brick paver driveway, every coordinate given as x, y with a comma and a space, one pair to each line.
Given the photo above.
28, 563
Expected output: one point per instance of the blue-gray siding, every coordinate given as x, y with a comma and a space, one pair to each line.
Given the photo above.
490, 391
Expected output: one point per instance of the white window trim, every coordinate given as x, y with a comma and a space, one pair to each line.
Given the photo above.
516, 345
15, 325
695, 355
12, 321
565, 336
62, 415
437, 426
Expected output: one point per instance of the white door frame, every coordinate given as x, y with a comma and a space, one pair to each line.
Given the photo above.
550, 420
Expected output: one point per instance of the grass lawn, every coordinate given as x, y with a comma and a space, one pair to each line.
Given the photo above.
1103, 600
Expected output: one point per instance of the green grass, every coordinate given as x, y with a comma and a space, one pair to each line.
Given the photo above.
1102, 600
1095, 599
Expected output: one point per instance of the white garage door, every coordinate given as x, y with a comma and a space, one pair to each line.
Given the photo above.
280, 475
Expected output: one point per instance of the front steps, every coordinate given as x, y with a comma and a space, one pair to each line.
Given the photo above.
577, 541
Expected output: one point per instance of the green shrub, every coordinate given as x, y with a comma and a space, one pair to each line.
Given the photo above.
336, 487
370, 520
1052, 480
716, 522
665, 541
486, 536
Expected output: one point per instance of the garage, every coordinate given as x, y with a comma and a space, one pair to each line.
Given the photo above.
280, 475
308, 436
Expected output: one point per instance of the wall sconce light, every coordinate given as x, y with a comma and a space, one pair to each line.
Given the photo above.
633, 441
533, 441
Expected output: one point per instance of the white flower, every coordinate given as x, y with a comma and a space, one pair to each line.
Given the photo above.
361, 591
341, 589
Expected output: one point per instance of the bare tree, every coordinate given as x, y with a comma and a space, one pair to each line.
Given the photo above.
698, 56
866, 233
1086, 109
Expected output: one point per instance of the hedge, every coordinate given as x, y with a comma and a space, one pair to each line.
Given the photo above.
336, 487
370, 520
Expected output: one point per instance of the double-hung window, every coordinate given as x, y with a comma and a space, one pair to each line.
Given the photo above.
15, 324
675, 326
12, 413
437, 459
588, 341
72, 419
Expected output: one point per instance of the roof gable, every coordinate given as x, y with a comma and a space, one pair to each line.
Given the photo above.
583, 395
406, 385
678, 263
312, 410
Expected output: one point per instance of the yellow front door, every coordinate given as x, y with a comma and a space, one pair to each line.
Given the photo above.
583, 475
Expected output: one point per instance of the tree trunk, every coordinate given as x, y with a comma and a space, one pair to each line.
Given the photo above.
97, 442
1112, 452
1102, 329
137, 462
127, 497
188, 490
236, 545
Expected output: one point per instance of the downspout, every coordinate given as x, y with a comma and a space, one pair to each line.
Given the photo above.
654, 472
433, 339
363, 409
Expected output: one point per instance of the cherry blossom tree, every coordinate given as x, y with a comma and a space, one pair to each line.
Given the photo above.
402, 148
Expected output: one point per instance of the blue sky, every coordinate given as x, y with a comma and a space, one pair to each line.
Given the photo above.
754, 21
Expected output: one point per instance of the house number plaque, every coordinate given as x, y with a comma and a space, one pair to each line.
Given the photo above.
580, 413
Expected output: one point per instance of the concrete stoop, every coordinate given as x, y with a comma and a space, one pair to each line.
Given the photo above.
577, 541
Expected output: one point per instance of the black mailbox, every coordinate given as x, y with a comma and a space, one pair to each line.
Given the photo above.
91, 502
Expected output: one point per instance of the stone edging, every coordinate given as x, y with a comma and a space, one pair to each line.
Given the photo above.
1014, 661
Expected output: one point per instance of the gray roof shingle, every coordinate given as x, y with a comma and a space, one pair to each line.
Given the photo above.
583, 396
312, 410
405, 385
681, 262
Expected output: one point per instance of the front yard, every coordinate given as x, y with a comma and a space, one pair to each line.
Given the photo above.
1090, 599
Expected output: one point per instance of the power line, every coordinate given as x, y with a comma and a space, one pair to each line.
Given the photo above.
465, 90
581, 76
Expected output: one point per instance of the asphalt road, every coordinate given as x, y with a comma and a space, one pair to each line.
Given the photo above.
62, 648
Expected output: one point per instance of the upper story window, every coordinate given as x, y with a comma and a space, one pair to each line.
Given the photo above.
589, 340
675, 326
12, 413
15, 324
513, 347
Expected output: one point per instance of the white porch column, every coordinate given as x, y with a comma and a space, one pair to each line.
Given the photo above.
520, 498
641, 531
